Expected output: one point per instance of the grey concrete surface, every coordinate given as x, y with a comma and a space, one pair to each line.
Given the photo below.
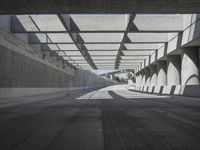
174, 70
162, 73
100, 6
17, 70
190, 66
112, 118
143, 81
153, 75
188, 38
24, 71
147, 76
152, 36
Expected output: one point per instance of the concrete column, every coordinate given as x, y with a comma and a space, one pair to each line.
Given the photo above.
174, 70
147, 76
190, 66
162, 73
153, 75
142, 78
137, 79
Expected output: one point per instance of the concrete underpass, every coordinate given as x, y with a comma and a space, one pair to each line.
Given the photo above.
100, 75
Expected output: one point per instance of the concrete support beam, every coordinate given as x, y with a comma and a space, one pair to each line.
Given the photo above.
147, 76
103, 6
125, 36
162, 73
173, 70
75, 37
148, 37
157, 23
153, 75
190, 65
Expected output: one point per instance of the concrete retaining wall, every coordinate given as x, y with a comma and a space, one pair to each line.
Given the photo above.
17, 70
24, 72
187, 90
16, 92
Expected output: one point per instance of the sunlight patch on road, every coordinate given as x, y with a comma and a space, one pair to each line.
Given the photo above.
96, 95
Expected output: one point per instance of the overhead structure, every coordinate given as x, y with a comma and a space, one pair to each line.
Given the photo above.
99, 41
99, 6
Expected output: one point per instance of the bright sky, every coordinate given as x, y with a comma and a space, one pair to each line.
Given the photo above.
98, 72
121, 75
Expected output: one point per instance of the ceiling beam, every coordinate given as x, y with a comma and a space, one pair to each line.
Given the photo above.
131, 18
75, 38
158, 23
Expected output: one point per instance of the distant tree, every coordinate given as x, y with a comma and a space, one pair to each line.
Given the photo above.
116, 78
131, 77
122, 80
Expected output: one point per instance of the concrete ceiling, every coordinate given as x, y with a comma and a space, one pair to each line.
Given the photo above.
99, 41
99, 6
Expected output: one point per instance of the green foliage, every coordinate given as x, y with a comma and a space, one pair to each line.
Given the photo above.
131, 77
122, 80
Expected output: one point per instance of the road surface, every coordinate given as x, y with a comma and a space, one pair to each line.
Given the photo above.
111, 118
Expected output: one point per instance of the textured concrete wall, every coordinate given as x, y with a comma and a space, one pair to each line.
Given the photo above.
147, 76
185, 90
87, 79
190, 66
24, 72
23, 76
153, 75
174, 70
162, 73
143, 77
17, 70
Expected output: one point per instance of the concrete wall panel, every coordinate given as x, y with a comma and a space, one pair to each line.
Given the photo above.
161, 52
162, 73
153, 75
17, 70
173, 70
190, 66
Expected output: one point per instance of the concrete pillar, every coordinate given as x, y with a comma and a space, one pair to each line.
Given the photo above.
142, 78
137, 79
162, 73
153, 75
147, 76
174, 70
190, 66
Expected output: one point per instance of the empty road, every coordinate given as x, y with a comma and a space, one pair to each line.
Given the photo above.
111, 118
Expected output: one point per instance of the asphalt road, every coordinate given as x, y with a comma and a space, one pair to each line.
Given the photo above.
107, 119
